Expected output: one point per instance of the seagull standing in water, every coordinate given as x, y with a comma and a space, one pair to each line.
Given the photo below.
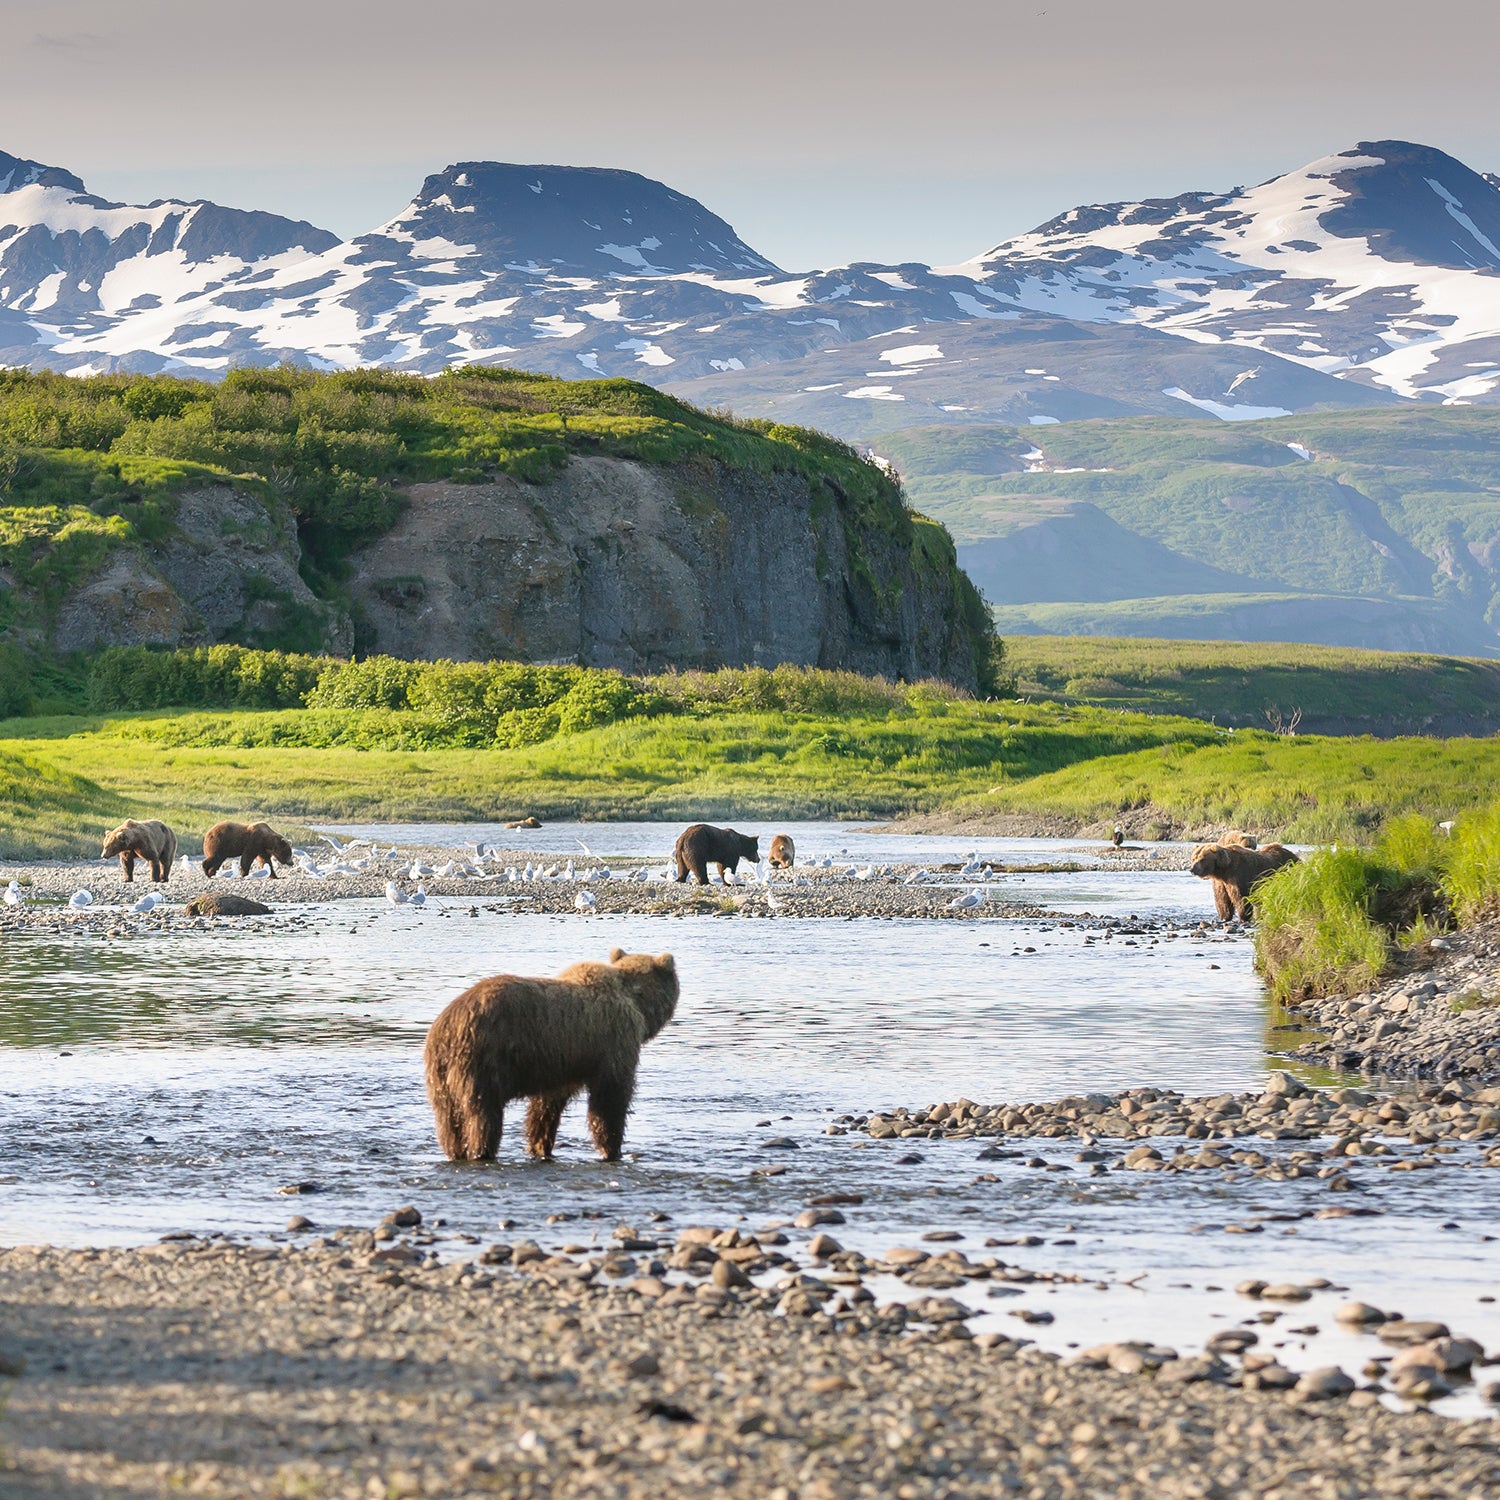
79, 899
419, 896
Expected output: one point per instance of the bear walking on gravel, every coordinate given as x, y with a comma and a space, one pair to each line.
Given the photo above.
546, 1040
151, 841
1235, 871
783, 852
703, 845
247, 842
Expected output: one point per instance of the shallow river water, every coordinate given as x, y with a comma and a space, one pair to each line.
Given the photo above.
178, 1082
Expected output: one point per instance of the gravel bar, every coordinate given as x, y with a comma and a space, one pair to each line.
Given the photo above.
366, 1366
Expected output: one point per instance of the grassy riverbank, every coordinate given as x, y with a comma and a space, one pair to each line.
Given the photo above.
307, 739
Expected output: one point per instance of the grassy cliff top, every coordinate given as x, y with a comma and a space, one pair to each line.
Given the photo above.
337, 446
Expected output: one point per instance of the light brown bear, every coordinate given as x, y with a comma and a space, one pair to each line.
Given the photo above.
1240, 837
249, 843
783, 852
1235, 871
151, 841
546, 1040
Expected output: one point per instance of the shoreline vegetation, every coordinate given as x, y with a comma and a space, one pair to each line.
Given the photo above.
195, 735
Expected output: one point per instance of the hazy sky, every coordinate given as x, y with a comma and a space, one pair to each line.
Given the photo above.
823, 130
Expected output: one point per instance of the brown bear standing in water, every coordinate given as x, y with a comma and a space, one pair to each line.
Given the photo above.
783, 852
247, 842
1235, 871
703, 845
546, 1039
151, 841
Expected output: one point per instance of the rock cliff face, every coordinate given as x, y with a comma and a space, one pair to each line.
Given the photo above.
622, 564
226, 570
613, 563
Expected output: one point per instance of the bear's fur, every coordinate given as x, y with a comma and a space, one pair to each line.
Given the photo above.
249, 843
703, 845
151, 841
783, 852
1235, 871
545, 1040
1240, 837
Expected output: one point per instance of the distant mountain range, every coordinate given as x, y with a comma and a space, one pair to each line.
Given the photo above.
1367, 278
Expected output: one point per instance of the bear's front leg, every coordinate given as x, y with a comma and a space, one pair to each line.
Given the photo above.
127, 867
609, 1103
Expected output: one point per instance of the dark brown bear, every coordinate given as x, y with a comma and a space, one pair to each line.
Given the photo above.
546, 1040
783, 852
249, 843
151, 841
703, 845
1235, 871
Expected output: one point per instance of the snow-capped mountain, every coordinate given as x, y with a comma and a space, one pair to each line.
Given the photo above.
1379, 264
1364, 278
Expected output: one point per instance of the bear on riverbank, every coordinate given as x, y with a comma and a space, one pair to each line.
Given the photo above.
783, 852
247, 842
1235, 871
546, 1040
703, 845
151, 841
1240, 837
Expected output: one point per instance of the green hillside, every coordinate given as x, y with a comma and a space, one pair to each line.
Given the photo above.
1397, 511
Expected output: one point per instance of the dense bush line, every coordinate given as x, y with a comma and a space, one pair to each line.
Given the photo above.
473, 704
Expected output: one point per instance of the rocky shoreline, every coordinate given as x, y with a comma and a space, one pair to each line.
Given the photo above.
634, 887
365, 1364
1438, 1019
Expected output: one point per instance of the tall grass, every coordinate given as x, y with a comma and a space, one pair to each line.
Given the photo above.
1338, 921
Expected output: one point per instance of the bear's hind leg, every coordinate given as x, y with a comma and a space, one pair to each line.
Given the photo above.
609, 1103
543, 1116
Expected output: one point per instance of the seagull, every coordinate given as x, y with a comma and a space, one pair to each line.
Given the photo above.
640, 874
149, 902
584, 901
334, 844
418, 871
568, 873
263, 872
584, 847
394, 894
13, 894
529, 873
867, 873
79, 899
419, 896
972, 867
967, 902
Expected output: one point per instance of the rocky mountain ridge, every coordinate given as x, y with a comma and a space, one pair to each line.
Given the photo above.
1371, 277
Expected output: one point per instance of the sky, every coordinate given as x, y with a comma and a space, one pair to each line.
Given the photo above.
825, 131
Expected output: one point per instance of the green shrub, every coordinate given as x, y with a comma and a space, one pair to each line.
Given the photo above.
1472, 877
1314, 935
136, 677
15, 681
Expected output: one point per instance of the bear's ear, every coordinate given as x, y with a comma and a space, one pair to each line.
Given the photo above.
616, 954
665, 961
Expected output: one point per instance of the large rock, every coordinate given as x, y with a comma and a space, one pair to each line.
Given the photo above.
616, 563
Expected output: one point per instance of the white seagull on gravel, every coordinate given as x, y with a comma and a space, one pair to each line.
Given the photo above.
14, 896
149, 902
968, 901
584, 901
394, 894
79, 899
